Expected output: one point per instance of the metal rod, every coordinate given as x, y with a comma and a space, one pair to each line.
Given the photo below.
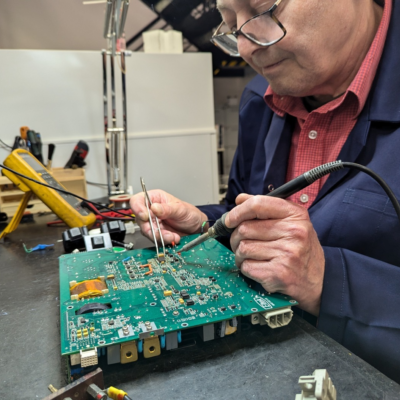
105, 110
116, 157
124, 120
107, 18
124, 12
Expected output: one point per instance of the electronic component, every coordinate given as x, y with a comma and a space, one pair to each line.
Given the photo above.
113, 354
89, 357
88, 289
96, 242
93, 307
73, 239
151, 310
116, 229
66, 206
129, 352
171, 340
207, 332
151, 347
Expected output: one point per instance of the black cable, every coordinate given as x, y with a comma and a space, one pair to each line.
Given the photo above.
96, 184
5, 144
64, 191
383, 184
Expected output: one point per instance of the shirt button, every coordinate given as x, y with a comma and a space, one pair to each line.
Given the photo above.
271, 188
304, 198
313, 134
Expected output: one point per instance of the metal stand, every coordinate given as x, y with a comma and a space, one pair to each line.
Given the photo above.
116, 139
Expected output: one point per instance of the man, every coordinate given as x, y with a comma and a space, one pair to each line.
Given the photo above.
333, 76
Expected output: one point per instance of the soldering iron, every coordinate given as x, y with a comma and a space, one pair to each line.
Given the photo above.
292, 187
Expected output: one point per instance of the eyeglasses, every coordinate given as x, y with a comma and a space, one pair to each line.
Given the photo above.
263, 29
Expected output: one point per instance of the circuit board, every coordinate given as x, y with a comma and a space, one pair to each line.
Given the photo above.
145, 296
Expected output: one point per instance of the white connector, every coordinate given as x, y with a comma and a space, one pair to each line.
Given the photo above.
131, 228
274, 319
89, 357
317, 386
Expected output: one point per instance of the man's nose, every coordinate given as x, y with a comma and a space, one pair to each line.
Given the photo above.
246, 47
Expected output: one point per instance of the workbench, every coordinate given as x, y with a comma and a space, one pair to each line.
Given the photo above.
257, 363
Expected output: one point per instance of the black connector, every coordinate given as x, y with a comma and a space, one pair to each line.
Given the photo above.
73, 239
116, 229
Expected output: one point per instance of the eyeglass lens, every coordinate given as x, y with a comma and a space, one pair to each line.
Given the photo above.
263, 29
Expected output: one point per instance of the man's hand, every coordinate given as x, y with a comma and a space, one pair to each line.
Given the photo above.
276, 245
177, 218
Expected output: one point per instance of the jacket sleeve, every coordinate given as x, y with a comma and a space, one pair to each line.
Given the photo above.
360, 303
252, 111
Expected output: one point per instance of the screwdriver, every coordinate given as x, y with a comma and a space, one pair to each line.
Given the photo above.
283, 192
51, 149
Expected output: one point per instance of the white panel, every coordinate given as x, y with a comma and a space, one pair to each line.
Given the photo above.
170, 115
177, 94
56, 93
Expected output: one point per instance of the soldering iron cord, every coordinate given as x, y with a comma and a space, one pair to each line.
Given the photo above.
65, 192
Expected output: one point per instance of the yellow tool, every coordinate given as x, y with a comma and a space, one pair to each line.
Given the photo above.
66, 206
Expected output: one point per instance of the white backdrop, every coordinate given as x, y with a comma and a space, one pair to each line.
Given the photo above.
169, 106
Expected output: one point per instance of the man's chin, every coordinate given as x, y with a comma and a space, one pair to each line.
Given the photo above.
285, 89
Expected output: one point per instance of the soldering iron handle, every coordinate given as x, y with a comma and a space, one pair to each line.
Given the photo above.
220, 229
290, 187
284, 191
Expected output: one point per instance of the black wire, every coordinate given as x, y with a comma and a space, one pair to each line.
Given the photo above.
64, 191
96, 184
383, 184
5, 144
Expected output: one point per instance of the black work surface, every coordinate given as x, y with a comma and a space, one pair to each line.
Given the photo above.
258, 363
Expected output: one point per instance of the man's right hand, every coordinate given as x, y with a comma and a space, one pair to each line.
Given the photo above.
177, 218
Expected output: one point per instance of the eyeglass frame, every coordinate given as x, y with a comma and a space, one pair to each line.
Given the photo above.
239, 31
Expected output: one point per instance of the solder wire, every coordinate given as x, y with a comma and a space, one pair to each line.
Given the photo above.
148, 201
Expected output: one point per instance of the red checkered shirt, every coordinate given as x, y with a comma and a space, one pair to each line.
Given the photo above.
319, 135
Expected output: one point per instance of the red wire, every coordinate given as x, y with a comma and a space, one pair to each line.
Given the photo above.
110, 215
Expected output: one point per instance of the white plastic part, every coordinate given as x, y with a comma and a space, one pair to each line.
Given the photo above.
89, 357
75, 359
277, 318
159, 41
131, 228
317, 386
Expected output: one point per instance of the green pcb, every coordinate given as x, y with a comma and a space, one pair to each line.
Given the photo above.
195, 288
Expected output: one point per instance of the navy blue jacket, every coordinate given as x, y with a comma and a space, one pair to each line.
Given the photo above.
354, 219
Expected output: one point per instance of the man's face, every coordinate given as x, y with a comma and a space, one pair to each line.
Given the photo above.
317, 53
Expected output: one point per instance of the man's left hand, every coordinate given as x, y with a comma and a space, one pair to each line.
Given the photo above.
276, 245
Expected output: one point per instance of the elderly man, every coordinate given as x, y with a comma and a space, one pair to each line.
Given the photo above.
327, 89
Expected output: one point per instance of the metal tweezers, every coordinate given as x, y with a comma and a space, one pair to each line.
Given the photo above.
148, 201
